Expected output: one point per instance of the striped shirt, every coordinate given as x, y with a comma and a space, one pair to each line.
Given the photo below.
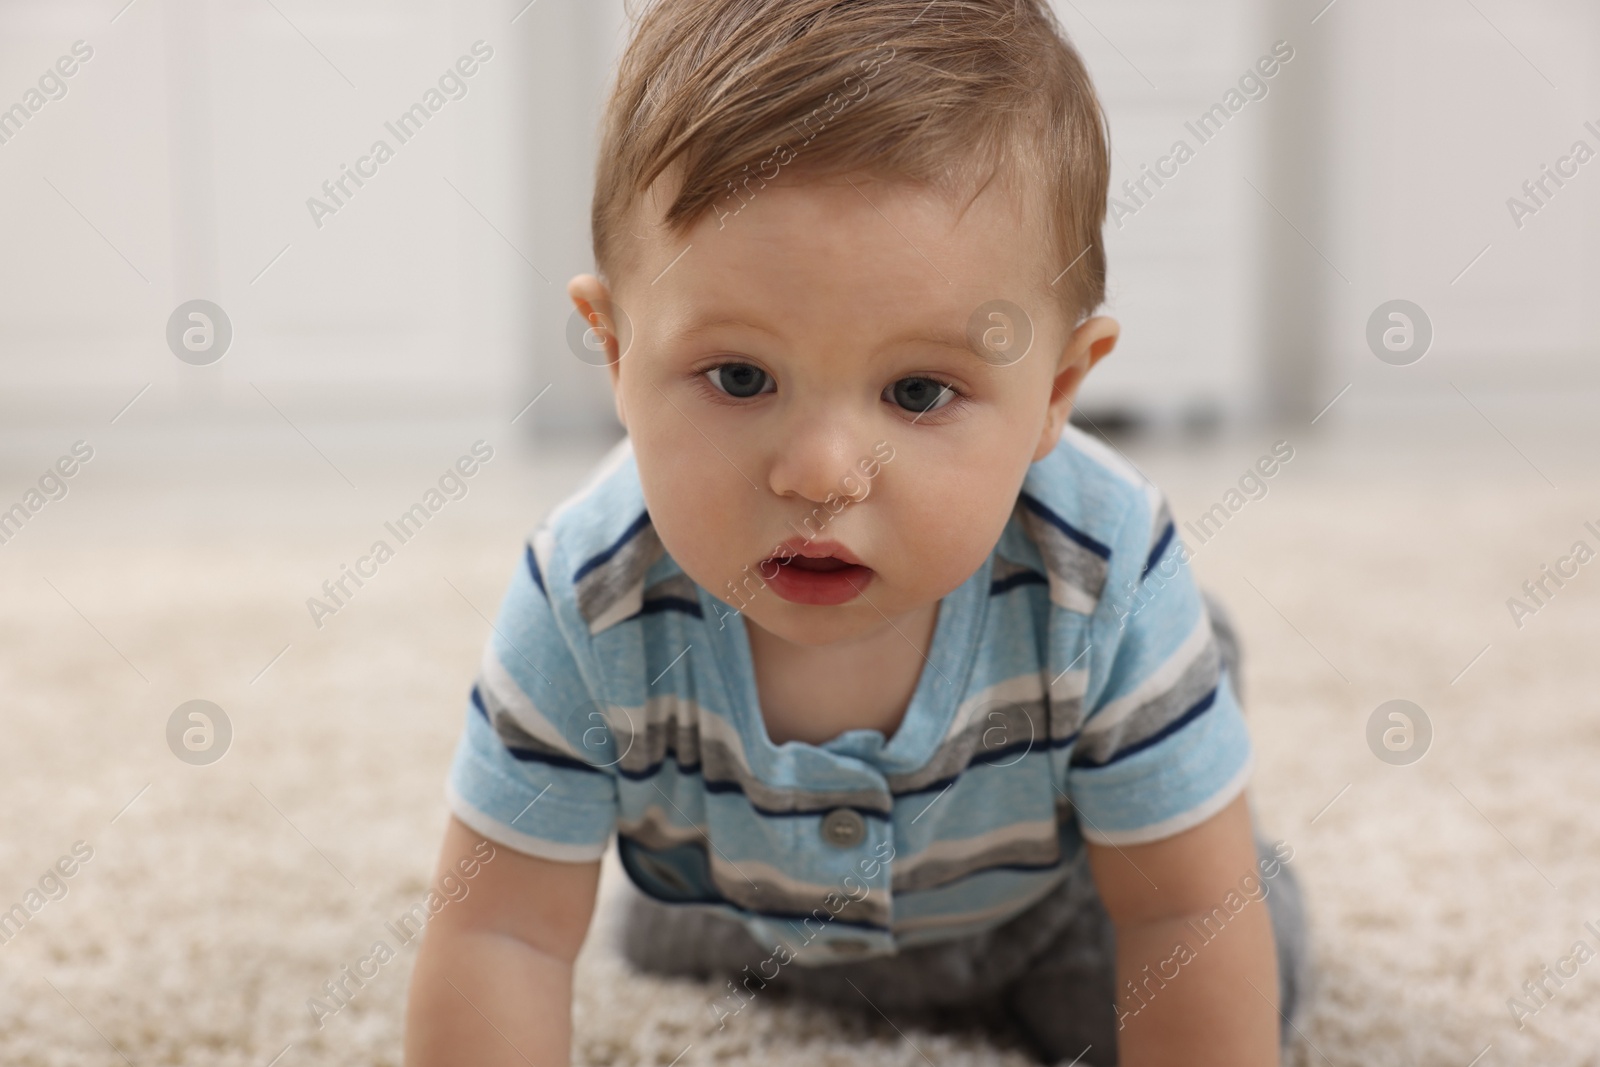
1073, 691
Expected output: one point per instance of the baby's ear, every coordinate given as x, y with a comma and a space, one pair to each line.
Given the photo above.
1090, 342
1094, 338
592, 299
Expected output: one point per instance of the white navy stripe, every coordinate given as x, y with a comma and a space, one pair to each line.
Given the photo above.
1036, 839
1022, 689
1158, 684
543, 543
1182, 821
614, 590
497, 685
496, 830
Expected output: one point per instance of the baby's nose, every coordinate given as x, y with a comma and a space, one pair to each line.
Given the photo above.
815, 460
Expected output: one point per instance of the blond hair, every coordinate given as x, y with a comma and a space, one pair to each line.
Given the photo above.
720, 95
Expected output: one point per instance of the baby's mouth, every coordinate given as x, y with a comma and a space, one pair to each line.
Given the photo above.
820, 580
806, 563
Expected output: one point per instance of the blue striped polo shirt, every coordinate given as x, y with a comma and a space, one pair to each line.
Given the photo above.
1073, 691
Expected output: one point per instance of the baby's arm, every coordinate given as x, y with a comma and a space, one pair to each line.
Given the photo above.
1208, 1013
493, 981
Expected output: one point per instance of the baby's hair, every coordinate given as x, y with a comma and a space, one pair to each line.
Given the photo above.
721, 96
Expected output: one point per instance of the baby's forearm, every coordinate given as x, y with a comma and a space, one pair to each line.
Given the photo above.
1197, 1006
487, 999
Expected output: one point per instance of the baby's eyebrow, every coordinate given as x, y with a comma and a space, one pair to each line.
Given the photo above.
946, 338
936, 335
714, 324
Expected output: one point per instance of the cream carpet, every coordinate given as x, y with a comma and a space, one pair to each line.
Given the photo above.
219, 898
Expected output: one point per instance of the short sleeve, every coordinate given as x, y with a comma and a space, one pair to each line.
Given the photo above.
1163, 745
529, 770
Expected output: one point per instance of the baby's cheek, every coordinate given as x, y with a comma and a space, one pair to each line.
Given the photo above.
943, 534
710, 537
957, 528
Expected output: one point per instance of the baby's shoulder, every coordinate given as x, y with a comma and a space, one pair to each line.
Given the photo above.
1085, 516
597, 555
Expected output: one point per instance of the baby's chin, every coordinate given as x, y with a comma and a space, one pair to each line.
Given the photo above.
817, 627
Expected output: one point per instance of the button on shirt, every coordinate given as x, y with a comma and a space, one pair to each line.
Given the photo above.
843, 828
1072, 691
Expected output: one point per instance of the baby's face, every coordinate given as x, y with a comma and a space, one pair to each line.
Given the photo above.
800, 381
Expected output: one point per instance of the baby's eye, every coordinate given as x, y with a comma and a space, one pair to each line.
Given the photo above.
919, 394
740, 379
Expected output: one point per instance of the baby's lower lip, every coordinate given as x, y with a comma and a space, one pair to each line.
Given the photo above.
820, 582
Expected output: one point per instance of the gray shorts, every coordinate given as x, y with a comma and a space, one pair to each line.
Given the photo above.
1047, 976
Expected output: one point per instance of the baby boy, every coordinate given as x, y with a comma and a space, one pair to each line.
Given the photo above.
894, 688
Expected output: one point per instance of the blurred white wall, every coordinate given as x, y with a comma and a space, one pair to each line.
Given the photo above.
180, 160
1378, 166
1436, 113
1182, 233
179, 165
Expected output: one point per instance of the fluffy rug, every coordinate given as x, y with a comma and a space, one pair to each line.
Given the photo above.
219, 898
